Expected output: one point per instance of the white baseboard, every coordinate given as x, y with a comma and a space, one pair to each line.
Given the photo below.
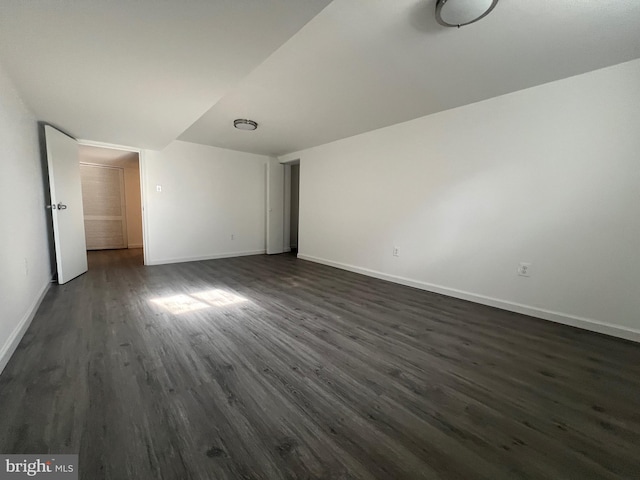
164, 261
14, 339
558, 317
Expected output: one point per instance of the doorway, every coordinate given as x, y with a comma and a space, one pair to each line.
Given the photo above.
283, 206
111, 197
295, 208
292, 206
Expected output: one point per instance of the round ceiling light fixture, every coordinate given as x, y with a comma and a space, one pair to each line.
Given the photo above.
244, 124
458, 13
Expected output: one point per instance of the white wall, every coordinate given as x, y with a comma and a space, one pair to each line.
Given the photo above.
133, 200
548, 175
208, 194
25, 265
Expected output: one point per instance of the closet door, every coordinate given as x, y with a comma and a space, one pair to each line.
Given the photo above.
105, 221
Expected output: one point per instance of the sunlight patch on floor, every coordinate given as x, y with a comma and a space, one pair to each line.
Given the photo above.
219, 297
184, 303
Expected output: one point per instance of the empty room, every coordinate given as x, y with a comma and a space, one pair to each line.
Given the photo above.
349, 239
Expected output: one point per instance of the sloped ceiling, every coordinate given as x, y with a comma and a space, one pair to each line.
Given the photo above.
138, 73
363, 65
144, 73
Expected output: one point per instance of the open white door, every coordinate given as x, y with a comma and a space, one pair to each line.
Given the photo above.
275, 206
66, 204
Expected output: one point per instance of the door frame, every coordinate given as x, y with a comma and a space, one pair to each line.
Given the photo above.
143, 193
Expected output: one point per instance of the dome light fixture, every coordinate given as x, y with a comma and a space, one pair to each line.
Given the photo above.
458, 13
244, 124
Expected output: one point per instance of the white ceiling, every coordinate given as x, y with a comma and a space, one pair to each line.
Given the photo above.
362, 65
141, 73
138, 72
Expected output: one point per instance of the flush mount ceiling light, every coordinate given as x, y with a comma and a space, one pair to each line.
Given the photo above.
458, 13
244, 124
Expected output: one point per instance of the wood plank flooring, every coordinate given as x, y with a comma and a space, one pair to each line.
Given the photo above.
270, 367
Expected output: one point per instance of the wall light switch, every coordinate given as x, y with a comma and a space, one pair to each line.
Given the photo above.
158, 188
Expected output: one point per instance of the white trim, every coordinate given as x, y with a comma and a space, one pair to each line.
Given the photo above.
164, 261
142, 166
550, 315
14, 339
112, 146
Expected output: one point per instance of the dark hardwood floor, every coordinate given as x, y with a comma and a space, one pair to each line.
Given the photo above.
271, 367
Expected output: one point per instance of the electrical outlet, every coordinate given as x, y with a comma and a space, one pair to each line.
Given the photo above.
396, 252
233, 237
524, 269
